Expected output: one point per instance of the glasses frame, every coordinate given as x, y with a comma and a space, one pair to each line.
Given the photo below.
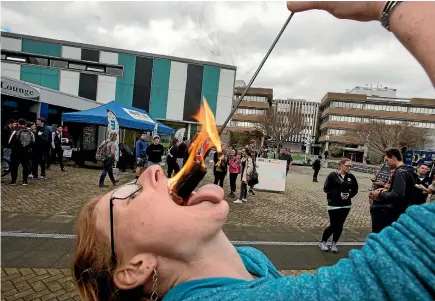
112, 198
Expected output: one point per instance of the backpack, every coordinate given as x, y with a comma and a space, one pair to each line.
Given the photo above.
102, 151
25, 137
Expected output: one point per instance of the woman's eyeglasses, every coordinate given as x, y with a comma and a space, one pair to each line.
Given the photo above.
122, 193
350, 166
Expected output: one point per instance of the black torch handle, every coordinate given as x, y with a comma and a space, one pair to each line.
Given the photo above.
256, 72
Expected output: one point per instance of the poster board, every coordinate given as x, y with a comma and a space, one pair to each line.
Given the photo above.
271, 174
89, 137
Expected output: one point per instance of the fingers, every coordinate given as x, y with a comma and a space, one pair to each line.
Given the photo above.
300, 6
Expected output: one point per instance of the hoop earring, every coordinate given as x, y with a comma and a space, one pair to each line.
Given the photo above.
154, 295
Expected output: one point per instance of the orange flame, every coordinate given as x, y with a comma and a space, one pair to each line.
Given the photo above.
207, 138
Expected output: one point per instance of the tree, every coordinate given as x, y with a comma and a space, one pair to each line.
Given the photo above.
378, 136
240, 139
281, 125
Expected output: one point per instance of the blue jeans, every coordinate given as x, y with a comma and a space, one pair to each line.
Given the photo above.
6, 160
107, 169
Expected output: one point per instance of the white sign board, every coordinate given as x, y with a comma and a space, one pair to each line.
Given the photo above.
138, 115
271, 174
67, 153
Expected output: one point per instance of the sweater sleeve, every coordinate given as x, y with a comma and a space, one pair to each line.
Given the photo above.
355, 188
397, 191
396, 264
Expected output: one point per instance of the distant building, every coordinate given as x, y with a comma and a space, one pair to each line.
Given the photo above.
309, 110
341, 112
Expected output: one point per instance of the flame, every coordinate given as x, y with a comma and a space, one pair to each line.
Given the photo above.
207, 138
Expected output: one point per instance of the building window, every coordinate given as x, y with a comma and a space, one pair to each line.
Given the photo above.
76, 66
38, 61
16, 58
114, 71
95, 68
59, 64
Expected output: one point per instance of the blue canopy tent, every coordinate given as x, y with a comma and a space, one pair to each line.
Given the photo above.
128, 117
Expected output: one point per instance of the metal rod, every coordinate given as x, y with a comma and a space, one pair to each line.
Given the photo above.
256, 73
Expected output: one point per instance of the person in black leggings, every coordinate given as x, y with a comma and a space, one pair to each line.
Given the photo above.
220, 166
340, 187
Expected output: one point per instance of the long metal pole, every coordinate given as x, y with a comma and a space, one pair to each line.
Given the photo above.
256, 73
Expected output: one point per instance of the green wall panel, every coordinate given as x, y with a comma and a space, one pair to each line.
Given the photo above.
45, 77
160, 88
41, 48
210, 86
125, 84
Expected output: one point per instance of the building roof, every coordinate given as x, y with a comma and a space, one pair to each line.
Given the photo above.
117, 50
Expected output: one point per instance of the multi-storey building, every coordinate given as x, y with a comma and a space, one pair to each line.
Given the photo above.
71, 76
341, 112
309, 109
256, 102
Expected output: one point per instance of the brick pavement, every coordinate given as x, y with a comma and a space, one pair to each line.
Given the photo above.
53, 284
303, 204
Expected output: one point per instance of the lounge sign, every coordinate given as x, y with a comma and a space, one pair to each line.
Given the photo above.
18, 89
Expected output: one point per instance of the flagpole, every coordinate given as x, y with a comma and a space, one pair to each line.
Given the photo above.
256, 72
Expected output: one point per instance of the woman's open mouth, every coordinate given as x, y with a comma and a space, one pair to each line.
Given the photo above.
210, 193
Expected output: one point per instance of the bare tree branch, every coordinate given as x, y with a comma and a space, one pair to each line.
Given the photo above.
380, 136
280, 126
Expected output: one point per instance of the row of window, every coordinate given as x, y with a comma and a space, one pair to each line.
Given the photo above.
243, 124
375, 107
250, 111
426, 125
61, 63
252, 98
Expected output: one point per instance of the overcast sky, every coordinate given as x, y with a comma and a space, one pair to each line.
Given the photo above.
316, 54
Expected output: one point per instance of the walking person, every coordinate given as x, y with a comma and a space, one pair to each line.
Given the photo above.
56, 144
247, 169
155, 152
109, 159
254, 154
422, 185
220, 166
141, 154
6, 148
21, 141
234, 169
340, 187
316, 166
32, 127
392, 201
285, 155
173, 158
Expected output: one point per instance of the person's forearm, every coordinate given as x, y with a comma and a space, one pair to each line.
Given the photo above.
413, 23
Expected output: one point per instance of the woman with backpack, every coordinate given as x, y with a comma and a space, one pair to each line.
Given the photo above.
247, 169
234, 168
110, 151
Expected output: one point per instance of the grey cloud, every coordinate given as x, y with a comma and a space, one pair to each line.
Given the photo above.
316, 33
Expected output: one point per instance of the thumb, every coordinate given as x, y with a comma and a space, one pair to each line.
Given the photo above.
300, 6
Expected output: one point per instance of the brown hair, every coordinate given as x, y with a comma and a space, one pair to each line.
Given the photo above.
92, 266
344, 160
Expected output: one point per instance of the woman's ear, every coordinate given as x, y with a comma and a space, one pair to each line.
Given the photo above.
136, 272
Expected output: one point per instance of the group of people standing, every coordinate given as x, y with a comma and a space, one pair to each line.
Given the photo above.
32, 145
388, 200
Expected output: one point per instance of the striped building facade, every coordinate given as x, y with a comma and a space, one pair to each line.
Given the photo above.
168, 88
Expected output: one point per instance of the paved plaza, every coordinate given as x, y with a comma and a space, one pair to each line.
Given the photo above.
38, 221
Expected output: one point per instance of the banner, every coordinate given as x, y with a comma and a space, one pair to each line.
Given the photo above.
113, 126
156, 126
180, 134
271, 174
138, 115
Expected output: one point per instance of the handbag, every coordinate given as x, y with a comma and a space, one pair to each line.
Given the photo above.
253, 177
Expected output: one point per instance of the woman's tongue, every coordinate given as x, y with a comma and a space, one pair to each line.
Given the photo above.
209, 192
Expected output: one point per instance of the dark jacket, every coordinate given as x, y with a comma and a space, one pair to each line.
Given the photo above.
402, 189
6, 133
317, 164
42, 141
155, 152
335, 184
420, 195
172, 154
224, 164
181, 149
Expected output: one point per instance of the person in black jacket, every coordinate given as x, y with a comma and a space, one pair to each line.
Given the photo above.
172, 158
340, 187
392, 202
422, 185
220, 166
182, 149
42, 144
155, 151
316, 166
6, 148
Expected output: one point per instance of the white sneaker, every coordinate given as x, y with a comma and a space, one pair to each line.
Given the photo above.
323, 246
244, 200
334, 248
238, 202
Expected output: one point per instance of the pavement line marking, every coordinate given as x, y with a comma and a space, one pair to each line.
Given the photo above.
234, 242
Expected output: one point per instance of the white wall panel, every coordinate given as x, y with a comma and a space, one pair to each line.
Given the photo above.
11, 70
108, 57
10, 44
177, 89
69, 82
225, 95
106, 88
72, 52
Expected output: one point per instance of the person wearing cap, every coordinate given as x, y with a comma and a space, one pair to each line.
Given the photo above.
155, 152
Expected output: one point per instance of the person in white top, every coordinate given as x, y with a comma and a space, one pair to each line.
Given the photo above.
56, 145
